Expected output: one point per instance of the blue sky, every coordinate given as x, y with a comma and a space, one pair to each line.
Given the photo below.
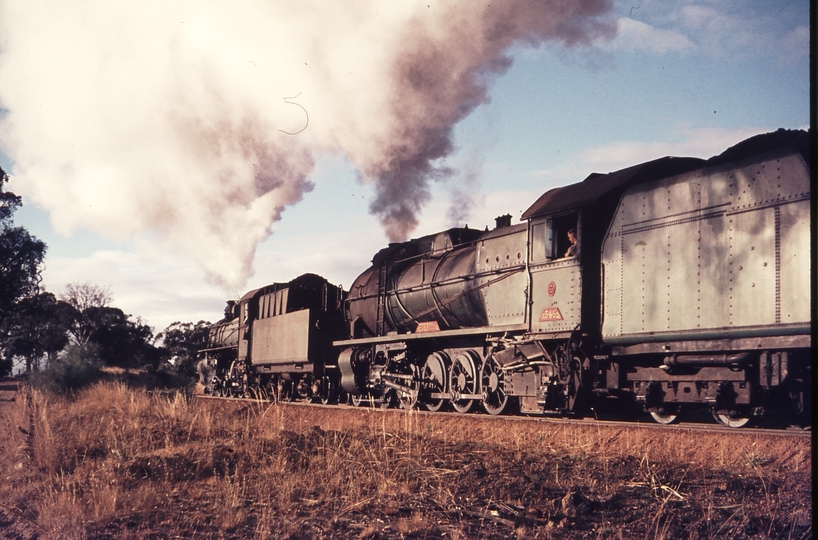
680, 78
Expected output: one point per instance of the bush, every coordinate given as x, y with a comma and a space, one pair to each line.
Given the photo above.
187, 366
170, 376
76, 368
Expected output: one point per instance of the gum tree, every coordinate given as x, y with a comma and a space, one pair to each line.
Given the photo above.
21, 259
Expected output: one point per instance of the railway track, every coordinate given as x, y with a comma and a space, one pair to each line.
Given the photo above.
696, 425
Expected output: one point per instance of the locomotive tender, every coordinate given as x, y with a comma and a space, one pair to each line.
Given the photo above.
672, 284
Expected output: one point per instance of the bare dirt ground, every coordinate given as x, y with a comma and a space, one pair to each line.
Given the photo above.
117, 463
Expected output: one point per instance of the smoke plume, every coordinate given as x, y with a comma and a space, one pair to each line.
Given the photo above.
200, 122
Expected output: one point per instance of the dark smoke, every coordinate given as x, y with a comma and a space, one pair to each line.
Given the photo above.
463, 196
443, 73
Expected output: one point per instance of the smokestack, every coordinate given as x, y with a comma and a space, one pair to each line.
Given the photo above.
502, 221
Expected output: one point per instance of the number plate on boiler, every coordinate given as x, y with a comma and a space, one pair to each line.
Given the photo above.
551, 314
424, 327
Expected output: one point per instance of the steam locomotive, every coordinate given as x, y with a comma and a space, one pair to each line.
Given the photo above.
674, 284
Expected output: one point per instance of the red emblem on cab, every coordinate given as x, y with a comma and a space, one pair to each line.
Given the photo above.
552, 289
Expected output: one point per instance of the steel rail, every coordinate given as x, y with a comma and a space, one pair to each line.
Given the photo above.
584, 421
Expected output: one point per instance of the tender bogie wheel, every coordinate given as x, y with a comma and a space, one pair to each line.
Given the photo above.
302, 390
270, 389
434, 380
284, 391
463, 380
492, 381
733, 419
667, 414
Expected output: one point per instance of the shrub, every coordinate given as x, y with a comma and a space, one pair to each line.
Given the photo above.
169, 376
75, 368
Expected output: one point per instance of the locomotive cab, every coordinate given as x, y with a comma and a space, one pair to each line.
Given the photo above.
556, 278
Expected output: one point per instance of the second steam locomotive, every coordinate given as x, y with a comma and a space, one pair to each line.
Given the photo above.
674, 284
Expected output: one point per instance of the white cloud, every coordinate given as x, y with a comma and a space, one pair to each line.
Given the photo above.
740, 30
615, 155
638, 36
795, 42
151, 285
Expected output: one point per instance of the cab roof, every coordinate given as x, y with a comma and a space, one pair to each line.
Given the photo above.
597, 185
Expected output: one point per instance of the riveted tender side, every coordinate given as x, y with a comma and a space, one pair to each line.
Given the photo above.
706, 287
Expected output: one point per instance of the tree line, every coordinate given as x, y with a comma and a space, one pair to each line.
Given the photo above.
40, 330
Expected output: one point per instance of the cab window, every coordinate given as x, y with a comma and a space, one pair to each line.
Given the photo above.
542, 241
566, 235
554, 237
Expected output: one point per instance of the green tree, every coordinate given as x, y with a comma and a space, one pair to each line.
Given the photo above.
36, 327
84, 296
120, 341
182, 342
21, 255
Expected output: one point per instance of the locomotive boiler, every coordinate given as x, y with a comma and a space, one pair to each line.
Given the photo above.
674, 284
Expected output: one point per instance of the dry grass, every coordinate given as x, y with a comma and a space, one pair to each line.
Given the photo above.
119, 463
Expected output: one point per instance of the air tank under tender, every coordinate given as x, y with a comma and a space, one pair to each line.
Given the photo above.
426, 280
